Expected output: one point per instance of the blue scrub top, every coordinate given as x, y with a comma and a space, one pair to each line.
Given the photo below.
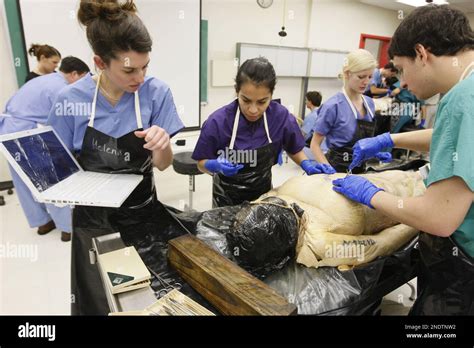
308, 123
376, 80
337, 122
71, 110
31, 104
307, 128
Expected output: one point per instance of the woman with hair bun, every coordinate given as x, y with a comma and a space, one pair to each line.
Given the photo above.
133, 116
48, 60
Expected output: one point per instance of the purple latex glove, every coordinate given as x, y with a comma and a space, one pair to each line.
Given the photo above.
356, 188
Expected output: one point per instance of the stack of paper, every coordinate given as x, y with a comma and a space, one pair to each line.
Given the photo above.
173, 303
176, 303
123, 270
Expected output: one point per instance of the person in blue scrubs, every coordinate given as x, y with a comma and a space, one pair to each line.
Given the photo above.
130, 114
26, 109
240, 142
347, 116
313, 101
434, 50
378, 86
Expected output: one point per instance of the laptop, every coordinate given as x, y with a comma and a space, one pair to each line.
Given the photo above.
53, 175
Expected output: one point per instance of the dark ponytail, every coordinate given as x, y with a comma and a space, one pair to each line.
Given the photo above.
113, 27
47, 51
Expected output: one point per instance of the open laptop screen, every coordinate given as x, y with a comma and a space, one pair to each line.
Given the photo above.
42, 158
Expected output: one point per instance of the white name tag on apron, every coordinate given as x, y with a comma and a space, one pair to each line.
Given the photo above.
424, 171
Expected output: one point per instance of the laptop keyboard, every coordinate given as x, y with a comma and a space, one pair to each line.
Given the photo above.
89, 183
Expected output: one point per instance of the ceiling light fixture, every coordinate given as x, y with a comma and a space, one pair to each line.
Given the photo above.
418, 3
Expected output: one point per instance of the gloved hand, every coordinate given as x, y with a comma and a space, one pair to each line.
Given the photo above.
222, 166
280, 158
368, 148
313, 167
357, 188
389, 92
422, 124
384, 157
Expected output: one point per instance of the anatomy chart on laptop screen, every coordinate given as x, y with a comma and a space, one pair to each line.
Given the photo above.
42, 158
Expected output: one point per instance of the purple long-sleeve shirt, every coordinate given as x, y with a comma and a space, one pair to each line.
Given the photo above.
216, 132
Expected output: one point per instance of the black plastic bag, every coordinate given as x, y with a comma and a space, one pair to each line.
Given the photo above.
264, 235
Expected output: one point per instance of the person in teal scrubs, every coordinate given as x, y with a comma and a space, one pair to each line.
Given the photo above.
409, 108
434, 50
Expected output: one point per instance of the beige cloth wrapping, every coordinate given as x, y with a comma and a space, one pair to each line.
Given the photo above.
339, 231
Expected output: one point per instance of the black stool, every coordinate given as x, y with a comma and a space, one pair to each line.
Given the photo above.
184, 164
6, 186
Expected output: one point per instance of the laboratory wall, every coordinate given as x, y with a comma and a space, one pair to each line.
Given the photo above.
232, 21
8, 84
471, 19
324, 24
337, 25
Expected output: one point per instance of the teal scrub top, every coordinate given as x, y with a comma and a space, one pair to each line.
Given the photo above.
452, 149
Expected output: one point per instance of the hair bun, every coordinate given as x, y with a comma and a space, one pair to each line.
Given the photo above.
33, 49
110, 10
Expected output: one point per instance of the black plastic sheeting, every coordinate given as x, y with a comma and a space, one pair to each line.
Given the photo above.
322, 291
263, 237
328, 291
151, 241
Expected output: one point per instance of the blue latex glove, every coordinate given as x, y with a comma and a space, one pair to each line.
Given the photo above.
313, 167
280, 158
384, 156
222, 166
368, 148
422, 124
357, 188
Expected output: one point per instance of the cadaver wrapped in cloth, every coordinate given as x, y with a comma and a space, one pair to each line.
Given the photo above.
333, 230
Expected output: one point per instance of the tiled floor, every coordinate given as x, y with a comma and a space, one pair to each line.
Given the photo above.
39, 282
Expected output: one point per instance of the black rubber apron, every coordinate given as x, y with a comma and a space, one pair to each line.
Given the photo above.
124, 155
445, 278
341, 157
446, 275
250, 182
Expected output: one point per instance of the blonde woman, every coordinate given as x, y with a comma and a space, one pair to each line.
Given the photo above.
347, 116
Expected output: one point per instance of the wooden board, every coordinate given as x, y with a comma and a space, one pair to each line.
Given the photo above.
231, 289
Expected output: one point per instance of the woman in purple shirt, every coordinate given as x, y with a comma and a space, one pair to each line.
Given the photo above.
240, 142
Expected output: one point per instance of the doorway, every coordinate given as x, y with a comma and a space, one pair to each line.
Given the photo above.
377, 45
